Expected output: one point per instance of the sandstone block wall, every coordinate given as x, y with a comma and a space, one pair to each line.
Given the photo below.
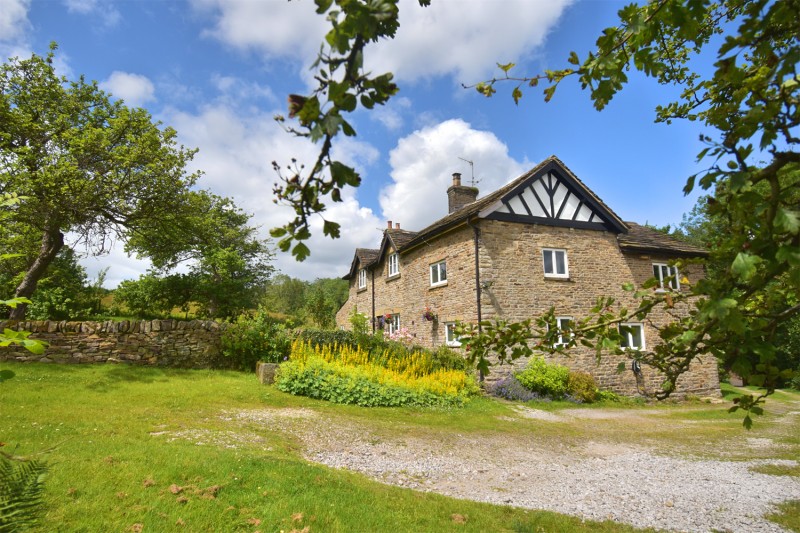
173, 343
515, 288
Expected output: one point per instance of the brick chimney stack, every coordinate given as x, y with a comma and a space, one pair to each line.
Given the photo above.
460, 195
389, 224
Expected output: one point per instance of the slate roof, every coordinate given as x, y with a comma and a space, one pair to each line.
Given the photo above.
643, 239
364, 257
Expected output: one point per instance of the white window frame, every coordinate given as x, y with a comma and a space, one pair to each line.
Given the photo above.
439, 267
362, 278
628, 336
394, 264
564, 339
553, 252
450, 338
659, 269
393, 324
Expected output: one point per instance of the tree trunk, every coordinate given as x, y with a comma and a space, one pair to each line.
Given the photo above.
52, 242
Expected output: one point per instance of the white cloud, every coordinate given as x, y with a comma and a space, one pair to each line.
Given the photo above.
135, 89
423, 164
463, 39
236, 154
276, 28
13, 19
458, 38
104, 9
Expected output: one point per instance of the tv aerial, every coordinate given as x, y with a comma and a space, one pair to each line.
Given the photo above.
472, 182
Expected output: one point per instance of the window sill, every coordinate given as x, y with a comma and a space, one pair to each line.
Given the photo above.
393, 277
436, 286
361, 290
557, 278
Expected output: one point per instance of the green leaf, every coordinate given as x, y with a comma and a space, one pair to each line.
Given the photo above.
744, 266
300, 251
516, 94
505, 68
787, 220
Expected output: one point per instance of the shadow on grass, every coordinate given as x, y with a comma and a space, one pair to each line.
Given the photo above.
112, 378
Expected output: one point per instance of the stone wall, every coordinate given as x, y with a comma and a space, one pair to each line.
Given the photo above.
173, 343
515, 288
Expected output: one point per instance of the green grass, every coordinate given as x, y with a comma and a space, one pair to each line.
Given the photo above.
788, 515
117, 462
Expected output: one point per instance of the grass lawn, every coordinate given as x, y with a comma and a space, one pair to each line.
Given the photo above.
111, 470
116, 464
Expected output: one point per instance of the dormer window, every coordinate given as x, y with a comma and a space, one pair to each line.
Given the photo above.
667, 276
362, 278
394, 264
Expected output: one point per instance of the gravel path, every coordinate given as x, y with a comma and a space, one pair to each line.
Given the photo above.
598, 481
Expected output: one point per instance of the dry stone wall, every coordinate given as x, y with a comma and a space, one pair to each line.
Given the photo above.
172, 343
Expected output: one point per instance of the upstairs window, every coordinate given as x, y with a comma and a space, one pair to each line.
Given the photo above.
439, 274
555, 263
394, 265
564, 325
362, 279
632, 336
667, 276
450, 335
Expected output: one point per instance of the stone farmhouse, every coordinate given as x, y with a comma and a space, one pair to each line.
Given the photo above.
543, 240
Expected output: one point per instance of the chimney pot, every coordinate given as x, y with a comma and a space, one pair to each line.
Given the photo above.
456, 179
396, 225
389, 224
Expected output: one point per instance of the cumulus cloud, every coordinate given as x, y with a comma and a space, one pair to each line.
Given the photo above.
462, 39
13, 19
424, 161
135, 89
285, 29
236, 154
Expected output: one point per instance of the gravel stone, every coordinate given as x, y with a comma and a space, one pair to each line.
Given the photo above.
597, 481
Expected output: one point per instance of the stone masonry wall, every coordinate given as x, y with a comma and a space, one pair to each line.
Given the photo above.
514, 288
173, 343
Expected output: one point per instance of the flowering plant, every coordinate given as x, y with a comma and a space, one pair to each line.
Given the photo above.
429, 315
402, 335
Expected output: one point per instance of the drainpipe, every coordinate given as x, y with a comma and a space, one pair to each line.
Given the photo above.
373, 302
476, 231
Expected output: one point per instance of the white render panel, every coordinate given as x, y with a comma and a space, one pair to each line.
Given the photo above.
540, 190
585, 214
571, 207
517, 205
533, 203
558, 198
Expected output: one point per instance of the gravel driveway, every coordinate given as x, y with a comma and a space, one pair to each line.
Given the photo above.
597, 480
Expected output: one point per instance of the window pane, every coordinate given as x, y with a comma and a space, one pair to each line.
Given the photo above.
657, 272
548, 262
442, 271
636, 336
561, 267
434, 274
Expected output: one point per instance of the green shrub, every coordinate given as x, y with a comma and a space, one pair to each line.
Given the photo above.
607, 396
257, 338
448, 359
795, 383
545, 378
582, 386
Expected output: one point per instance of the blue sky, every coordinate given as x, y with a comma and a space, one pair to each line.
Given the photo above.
219, 70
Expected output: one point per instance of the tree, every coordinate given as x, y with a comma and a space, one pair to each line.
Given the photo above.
228, 264
749, 105
87, 165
